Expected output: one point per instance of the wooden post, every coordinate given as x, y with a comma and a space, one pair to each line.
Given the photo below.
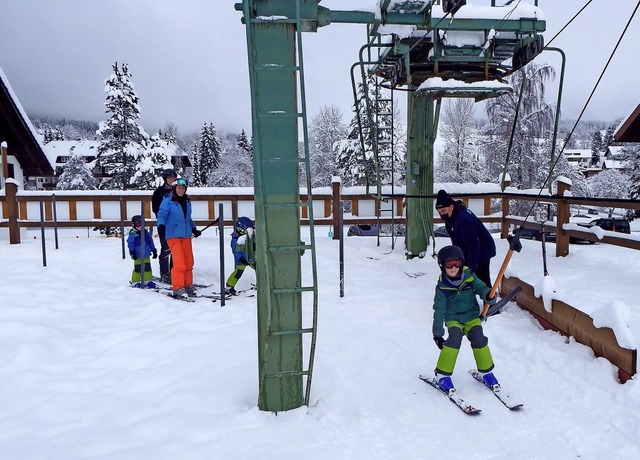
335, 193
5, 163
562, 239
12, 205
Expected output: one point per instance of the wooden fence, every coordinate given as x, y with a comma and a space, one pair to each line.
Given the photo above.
95, 208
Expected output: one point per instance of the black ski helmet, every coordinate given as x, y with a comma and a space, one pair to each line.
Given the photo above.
167, 173
448, 253
135, 220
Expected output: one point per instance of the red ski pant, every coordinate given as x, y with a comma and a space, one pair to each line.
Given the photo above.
182, 256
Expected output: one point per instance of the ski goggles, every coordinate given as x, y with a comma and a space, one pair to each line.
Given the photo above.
452, 263
180, 181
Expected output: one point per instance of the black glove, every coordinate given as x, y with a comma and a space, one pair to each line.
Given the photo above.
243, 261
439, 341
196, 232
155, 253
132, 254
162, 231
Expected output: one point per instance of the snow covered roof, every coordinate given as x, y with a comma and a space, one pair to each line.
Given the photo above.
23, 142
56, 150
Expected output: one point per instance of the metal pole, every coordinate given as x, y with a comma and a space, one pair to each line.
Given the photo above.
341, 245
221, 240
55, 219
122, 230
544, 252
557, 119
143, 263
44, 247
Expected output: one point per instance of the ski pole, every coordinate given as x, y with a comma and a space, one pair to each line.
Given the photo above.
212, 223
514, 245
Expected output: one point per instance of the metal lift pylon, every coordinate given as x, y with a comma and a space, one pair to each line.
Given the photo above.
276, 76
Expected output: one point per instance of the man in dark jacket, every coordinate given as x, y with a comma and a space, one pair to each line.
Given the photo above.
168, 176
469, 234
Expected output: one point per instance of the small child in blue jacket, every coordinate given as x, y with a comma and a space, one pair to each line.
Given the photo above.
134, 242
243, 252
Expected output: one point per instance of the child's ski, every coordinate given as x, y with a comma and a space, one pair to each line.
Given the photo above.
158, 280
453, 397
217, 296
169, 293
497, 392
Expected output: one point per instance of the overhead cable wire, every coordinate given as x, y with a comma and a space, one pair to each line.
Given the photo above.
570, 21
624, 31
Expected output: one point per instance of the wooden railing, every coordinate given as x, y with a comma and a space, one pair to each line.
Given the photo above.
107, 208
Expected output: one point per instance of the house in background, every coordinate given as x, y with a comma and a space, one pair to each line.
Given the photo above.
24, 157
582, 160
59, 153
612, 158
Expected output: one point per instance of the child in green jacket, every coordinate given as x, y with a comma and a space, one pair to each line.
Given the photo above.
455, 305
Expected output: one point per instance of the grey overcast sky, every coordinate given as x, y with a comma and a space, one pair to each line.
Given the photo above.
189, 65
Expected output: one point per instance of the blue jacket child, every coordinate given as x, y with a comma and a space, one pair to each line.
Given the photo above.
242, 252
134, 243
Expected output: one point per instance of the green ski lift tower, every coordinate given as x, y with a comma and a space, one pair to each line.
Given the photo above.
449, 50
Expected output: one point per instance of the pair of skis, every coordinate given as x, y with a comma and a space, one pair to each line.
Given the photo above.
467, 408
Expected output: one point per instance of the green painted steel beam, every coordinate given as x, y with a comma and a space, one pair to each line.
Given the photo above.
277, 212
423, 21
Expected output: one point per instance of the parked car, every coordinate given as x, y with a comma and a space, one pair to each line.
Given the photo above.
536, 235
613, 225
610, 224
441, 232
363, 230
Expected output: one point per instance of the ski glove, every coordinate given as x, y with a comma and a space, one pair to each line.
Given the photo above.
132, 254
196, 232
155, 254
439, 341
162, 231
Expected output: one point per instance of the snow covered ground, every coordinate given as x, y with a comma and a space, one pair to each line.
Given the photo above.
92, 369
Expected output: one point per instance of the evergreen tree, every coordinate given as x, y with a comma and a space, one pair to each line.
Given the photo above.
76, 175
631, 158
150, 164
207, 156
352, 164
609, 136
52, 134
121, 138
194, 180
244, 144
596, 147
534, 122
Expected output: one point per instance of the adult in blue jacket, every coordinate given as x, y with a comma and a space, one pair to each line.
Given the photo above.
176, 226
469, 234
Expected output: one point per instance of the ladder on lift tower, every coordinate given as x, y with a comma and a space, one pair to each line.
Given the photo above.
270, 247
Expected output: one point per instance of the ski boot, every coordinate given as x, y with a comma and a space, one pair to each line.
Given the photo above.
490, 380
444, 383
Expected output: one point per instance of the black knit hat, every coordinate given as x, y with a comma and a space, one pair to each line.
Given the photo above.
443, 200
